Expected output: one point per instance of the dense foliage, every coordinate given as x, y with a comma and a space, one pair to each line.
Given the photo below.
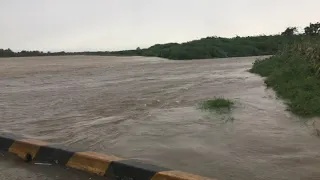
290, 31
217, 47
294, 73
10, 53
210, 47
312, 29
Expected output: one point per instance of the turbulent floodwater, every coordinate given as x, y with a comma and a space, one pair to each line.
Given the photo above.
146, 108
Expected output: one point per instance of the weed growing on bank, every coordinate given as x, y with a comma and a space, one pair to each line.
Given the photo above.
216, 103
294, 74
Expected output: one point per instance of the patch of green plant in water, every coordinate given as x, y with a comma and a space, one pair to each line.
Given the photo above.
216, 103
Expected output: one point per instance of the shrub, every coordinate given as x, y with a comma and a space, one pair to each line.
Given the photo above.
294, 74
216, 103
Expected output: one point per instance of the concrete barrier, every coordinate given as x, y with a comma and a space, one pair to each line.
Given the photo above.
99, 164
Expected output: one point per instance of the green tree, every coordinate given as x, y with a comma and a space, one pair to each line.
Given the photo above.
6, 53
312, 29
290, 31
139, 51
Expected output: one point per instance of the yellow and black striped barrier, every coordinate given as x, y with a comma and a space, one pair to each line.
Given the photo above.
99, 164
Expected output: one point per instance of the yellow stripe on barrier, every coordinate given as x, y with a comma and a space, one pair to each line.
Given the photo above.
91, 162
177, 175
99, 164
26, 147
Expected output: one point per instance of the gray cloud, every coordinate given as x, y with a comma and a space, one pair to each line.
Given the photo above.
77, 25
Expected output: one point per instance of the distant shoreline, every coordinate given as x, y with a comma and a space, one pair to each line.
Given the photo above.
205, 48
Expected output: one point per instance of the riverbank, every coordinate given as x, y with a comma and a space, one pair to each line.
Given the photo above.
204, 48
294, 74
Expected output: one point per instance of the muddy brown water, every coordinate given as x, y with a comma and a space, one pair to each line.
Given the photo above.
146, 108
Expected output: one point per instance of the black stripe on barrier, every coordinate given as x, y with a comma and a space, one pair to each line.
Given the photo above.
53, 154
5, 143
133, 170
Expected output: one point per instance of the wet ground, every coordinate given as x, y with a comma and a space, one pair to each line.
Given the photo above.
146, 108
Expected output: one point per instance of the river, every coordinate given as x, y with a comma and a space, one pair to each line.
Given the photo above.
146, 108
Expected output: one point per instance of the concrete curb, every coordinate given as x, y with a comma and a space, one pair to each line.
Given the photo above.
99, 164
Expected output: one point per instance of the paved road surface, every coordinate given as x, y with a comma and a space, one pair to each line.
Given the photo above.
13, 168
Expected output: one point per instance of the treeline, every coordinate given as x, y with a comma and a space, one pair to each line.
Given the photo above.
218, 47
210, 47
10, 53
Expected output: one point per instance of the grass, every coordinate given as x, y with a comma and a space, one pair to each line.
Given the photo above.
294, 74
216, 103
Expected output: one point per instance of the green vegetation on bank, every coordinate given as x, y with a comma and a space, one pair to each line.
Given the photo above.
210, 47
10, 53
294, 74
216, 103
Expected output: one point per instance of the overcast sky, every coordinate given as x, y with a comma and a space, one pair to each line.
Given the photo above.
76, 25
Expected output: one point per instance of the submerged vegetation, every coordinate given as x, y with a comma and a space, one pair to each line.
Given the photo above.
209, 47
294, 73
216, 103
